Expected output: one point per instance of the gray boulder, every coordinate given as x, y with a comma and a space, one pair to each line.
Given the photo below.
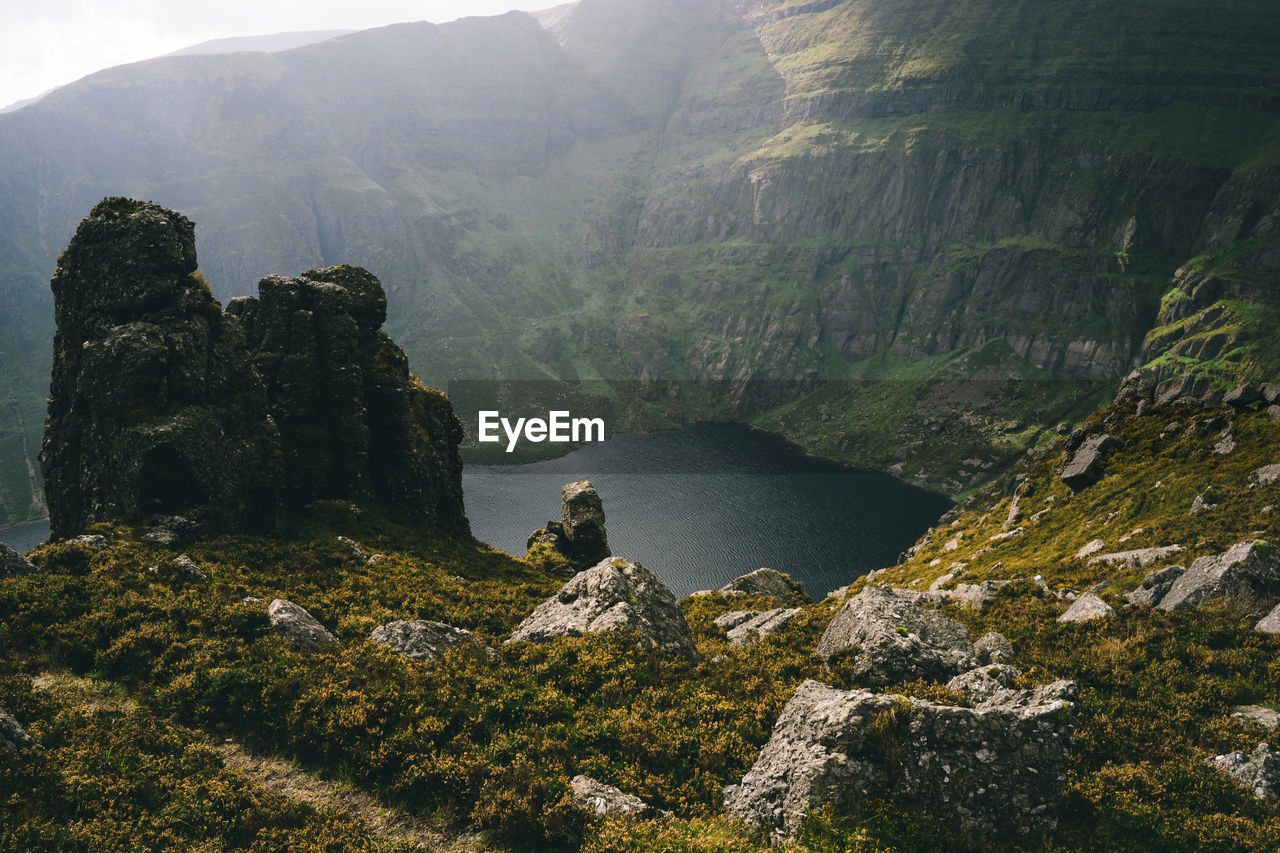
1155, 586
1265, 476
1201, 503
993, 647
603, 799
1138, 557
1086, 465
767, 582
1270, 624
188, 570
298, 626
893, 639
747, 627
421, 639
1247, 571
92, 541
1242, 395
13, 736
997, 769
1090, 548
1259, 715
1257, 772
615, 595
984, 682
12, 563
1087, 608
1226, 443
975, 595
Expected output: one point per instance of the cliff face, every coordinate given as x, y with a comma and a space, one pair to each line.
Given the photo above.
163, 406
697, 190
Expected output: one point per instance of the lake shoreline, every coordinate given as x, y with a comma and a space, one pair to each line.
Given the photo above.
713, 501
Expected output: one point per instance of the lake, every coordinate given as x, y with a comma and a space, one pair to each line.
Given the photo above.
24, 537
699, 507
703, 505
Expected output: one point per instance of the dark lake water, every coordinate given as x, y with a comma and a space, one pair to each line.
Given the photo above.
699, 507
704, 505
24, 537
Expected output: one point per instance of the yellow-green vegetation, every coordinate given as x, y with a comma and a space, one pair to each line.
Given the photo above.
466, 740
1165, 459
487, 742
110, 775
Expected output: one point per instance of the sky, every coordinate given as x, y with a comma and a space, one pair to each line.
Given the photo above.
49, 43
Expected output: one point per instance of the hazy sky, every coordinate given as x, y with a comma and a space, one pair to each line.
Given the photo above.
49, 43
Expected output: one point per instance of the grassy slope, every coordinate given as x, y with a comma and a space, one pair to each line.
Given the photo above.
473, 741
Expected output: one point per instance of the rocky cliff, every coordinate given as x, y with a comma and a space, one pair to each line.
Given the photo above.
165, 410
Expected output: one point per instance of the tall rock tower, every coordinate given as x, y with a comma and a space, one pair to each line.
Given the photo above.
161, 405
154, 409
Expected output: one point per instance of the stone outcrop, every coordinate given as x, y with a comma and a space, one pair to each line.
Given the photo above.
166, 411
976, 595
92, 541
1090, 548
1258, 772
993, 647
1259, 715
748, 627
891, 639
1086, 466
768, 582
579, 539
582, 514
12, 563
421, 639
615, 595
1265, 476
354, 423
154, 407
1155, 586
1247, 572
1270, 624
1137, 557
298, 626
997, 768
982, 683
1087, 608
1242, 396
188, 569
602, 799
13, 736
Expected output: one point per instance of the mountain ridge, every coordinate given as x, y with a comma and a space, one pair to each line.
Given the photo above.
815, 193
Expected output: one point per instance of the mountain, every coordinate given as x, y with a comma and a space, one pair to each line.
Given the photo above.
19, 104
268, 43
913, 236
